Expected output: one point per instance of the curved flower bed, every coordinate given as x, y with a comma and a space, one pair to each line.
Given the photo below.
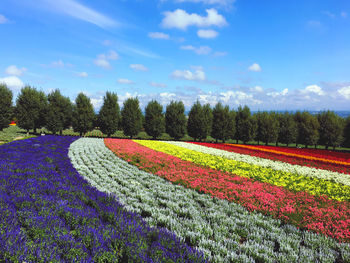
291, 181
276, 165
225, 231
327, 157
49, 213
278, 157
319, 214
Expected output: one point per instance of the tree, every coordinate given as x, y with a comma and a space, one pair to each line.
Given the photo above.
154, 119
221, 124
232, 124
288, 129
245, 125
346, 133
259, 119
31, 107
330, 129
208, 120
196, 124
109, 115
307, 128
83, 114
267, 127
59, 112
175, 120
5, 106
131, 117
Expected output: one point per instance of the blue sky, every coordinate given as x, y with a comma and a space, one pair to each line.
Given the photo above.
267, 54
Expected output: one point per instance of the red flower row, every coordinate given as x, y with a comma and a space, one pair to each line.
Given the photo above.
331, 155
318, 214
278, 157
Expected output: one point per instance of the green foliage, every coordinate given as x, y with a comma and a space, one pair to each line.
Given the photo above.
5, 106
267, 127
346, 132
59, 113
109, 115
221, 122
131, 117
330, 129
175, 120
246, 126
31, 107
199, 122
288, 129
307, 128
83, 114
154, 119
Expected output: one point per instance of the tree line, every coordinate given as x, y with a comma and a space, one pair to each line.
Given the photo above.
55, 112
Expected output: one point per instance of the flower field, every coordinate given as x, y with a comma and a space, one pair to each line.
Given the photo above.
49, 213
65, 199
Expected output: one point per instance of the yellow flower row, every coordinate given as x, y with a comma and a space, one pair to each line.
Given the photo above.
291, 181
290, 154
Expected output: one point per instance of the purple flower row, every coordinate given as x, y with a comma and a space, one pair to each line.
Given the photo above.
48, 212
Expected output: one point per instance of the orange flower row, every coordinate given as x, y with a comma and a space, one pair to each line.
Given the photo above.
291, 154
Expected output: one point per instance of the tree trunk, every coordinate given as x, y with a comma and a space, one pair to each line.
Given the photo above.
61, 132
216, 140
236, 141
266, 143
315, 146
306, 146
80, 134
258, 142
333, 147
287, 144
223, 140
276, 143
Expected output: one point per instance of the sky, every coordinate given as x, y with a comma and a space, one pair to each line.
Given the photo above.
267, 54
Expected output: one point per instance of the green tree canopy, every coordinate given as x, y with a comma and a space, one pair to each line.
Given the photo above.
154, 119
59, 113
330, 128
288, 129
175, 120
221, 124
346, 132
267, 127
307, 128
131, 117
245, 125
109, 114
83, 114
5, 106
199, 121
31, 108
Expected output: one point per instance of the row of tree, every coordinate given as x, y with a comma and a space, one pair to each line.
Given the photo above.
35, 110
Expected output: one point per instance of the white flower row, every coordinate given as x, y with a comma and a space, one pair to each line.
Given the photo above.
224, 231
276, 165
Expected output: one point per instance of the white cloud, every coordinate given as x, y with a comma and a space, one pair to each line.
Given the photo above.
102, 60
345, 92
197, 75
257, 89
329, 14
219, 54
181, 19
223, 3
79, 11
12, 82
158, 35
57, 64
13, 70
313, 89
255, 67
315, 24
202, 50
83, 75
202, 33
97, 102
125, 81
343, 14
275, 94
157, 85
3, 19
138, 67
112, 55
